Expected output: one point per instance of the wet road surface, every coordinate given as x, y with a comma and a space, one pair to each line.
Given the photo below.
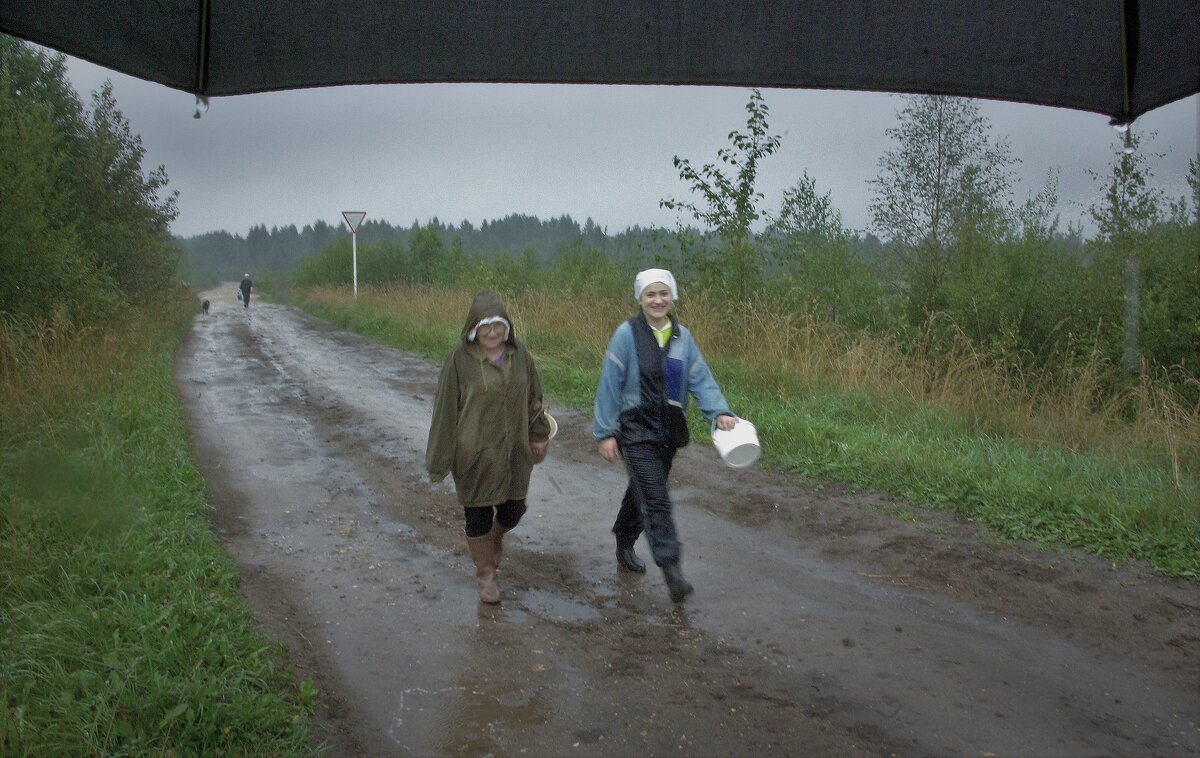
800, 639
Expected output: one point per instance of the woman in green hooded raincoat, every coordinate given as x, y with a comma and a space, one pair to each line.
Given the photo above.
487, 432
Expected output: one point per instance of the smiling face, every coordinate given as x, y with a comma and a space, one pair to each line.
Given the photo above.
490, 337
655, 301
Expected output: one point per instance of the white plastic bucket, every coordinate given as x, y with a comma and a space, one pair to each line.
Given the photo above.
739, 446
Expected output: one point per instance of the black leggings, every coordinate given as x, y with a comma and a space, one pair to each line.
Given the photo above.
479, 519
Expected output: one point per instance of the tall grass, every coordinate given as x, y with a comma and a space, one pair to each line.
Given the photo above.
121, 632
1033, 454
1069, 407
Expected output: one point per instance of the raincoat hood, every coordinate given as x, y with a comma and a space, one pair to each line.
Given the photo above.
486, 305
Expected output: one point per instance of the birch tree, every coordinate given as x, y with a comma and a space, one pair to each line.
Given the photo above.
944, 188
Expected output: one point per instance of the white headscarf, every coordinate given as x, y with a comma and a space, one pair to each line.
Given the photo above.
490, 320
650, 276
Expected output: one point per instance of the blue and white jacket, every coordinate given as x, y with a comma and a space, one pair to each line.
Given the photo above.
634, 407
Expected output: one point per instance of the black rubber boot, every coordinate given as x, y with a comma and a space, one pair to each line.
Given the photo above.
676, 584
626, 558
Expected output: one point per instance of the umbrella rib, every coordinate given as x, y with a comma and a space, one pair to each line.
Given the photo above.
202, 51
1129, 55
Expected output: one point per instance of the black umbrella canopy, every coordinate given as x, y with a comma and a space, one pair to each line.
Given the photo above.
1116, 57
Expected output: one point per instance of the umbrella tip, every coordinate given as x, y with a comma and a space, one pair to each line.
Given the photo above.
1126, 133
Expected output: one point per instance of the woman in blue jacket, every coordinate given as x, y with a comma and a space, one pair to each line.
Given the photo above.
652, 364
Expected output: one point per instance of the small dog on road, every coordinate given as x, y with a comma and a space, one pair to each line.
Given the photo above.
204, 307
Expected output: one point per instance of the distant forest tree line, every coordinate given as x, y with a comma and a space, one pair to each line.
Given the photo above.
216, 256
280, 250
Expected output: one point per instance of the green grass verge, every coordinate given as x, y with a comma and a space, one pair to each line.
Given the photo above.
1120, 510
1115, 509
121, 632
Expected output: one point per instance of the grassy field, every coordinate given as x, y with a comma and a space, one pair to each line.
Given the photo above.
1042, 461
121, 632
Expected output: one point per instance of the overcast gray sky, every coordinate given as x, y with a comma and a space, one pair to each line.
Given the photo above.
479, 152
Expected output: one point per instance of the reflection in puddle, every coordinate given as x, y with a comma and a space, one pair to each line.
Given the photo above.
422, 712
420, 700
553, 607
468, 720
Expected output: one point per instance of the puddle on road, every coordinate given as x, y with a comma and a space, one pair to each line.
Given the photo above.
551, 606
473, 720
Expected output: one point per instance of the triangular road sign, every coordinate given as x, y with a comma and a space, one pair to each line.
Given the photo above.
353, 219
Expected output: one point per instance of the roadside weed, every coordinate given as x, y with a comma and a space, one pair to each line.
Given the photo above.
121, 632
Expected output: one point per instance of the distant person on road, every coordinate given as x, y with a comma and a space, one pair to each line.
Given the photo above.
488, 431
245, 287
650, 367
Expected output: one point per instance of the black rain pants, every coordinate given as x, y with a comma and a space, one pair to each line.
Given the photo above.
647, 503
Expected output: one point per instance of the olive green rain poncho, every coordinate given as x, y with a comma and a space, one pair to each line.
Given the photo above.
484, 416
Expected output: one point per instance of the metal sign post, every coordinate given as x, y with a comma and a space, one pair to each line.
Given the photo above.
353, 219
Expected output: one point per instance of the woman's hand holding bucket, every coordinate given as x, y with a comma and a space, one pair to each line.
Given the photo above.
736, 442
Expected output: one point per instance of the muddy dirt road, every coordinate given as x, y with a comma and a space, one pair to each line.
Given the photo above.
821, 625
